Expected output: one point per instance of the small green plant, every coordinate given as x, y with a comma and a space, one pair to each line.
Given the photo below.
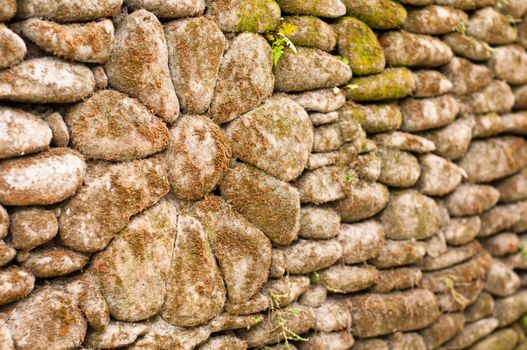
461, 28
524, 321
513, 20
352, 86
343, 59
523, 251
502, 3
458, 297
348, 178
279, 40
258, 318
315, 276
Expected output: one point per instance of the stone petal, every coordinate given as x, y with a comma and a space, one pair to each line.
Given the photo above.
138, 64
112, 126
111, 194
195, 48
276, 137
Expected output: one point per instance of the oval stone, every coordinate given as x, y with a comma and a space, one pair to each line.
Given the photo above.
46, 178
112, 126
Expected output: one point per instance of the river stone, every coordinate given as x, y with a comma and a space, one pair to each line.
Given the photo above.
510, 309
371, 344
428, 113
361, 241
373, 118
245, 15
520, 97
59, 130
312, 32
305, 256
7, 253
7, 10
309, 69
333, 315
501, 280
515, 123
241, 86
491, 26
101, 80
468, 47
284, 291
318, 222
170, 8
91, 42
502, 244
430, 83
439, 176
397, 279
486, 125
46, 178
325, 184
467, 77
481, 308
242, 251
495, 97
298, 319
52, 262
404, 141
466, 4
195, 48
391, 83
223, 342
379, 314
318, 160
444, 329
284, 133
16, 284
194, 287
513, 188
493, 158
451, 257
197, 157
453, 140
358, 43
318, 8
270, 204
410, 214
505, 339
402, 341
470, 199
522, 33
46, 80
472, 333
341, 340
12, 47
111, 194
116, 334
68, 10
366, 200
327, 138
399, 253
315, 296
435, 20
499, 218
459, 231
324, 100
138, 64
65, 324
515, 8
378, 14
318, 118
509, 63
398, 168
23, 133
31, 227
347, 279
368, 166
112, 126
402, 48
132, 271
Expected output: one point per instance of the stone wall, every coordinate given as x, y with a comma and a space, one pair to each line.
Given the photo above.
234, 174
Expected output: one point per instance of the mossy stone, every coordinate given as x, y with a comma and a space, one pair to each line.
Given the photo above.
256, 16
319, 8
359, 44
392, 83
373, 118
378, 14
312, 32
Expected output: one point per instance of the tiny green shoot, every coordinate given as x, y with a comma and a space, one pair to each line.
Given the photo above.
279, 40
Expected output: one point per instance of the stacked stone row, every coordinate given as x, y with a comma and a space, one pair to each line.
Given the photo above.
167, 182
